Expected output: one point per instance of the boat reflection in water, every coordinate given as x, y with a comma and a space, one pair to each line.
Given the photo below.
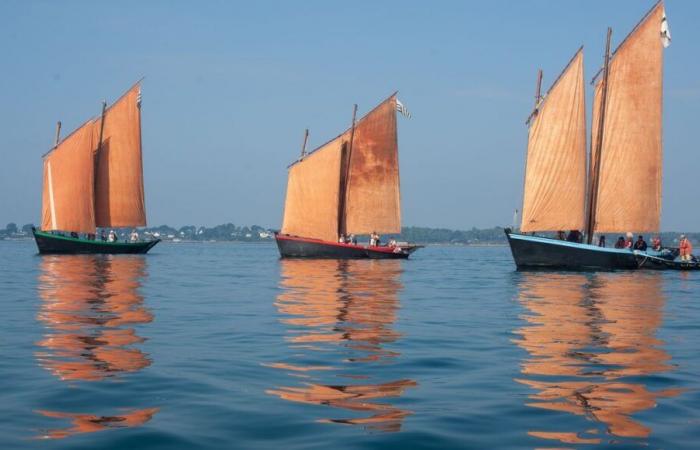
90, 304
345, 308
591, 341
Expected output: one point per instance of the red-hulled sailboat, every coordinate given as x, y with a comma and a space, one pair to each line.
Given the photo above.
347, 186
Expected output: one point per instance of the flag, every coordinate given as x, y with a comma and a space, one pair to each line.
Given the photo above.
402, 109
138, 99
665, 32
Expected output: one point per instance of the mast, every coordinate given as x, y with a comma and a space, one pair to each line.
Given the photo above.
58, 134
345, 174
303, 146
538, 90
102, 124
595, 153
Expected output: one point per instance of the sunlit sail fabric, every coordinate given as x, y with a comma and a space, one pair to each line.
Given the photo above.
372, 200
68, 192
629, 190
311, 206
555, 175
119, 195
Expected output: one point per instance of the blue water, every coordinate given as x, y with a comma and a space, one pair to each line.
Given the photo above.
225, 346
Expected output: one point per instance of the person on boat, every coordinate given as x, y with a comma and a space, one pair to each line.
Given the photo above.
134, 236
601, 241
112, 236
686, 248
574, 236
656, 243
641, 244
103, 236
392, 242
620, 242
73, 234
374, 239
353, 239
560, 235
628, 242
341, 239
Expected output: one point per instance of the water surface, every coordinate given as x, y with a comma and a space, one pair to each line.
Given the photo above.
227, 346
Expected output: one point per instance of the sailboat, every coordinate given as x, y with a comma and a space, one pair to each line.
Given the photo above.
347, 186
619, 188
94, 178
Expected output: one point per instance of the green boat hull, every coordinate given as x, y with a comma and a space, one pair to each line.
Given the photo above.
56, 244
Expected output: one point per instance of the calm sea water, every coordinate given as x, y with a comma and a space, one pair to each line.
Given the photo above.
200, 346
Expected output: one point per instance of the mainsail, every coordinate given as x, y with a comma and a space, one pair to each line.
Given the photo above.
67, 197
119, 196
91, 183
350, 184
554, 197
373, 199
629, 186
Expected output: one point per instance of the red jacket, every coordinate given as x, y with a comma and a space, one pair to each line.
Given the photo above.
686, 247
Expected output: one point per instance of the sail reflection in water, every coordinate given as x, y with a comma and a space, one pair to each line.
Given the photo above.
348, 307
591, 341
90, 304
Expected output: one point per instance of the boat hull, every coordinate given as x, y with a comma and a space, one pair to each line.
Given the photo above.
55, 244
532, 252
650, 262
297, 247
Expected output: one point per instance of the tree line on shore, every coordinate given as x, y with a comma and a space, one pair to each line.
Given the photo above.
255, 233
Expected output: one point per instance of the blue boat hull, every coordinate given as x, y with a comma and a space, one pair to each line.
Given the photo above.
533, 252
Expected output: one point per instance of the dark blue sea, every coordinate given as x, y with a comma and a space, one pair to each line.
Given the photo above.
219, 346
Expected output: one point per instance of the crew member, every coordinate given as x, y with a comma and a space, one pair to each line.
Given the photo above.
656, 243
601, 241
641, 244
686, 248
620, 242
134, 236
628, 242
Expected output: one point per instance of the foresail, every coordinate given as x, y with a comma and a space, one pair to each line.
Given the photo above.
68, 191
555, 174
311, 205
119, 194
629, 190
373, 199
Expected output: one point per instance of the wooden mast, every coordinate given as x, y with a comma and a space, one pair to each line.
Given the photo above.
538, 90
595, 156
344, 175
303, 146
58, 134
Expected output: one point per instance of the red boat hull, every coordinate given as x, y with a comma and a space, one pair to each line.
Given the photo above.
298, 247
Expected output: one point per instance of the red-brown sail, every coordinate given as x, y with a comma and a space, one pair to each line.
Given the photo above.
311, 205
373, 199
68, 192
119, 195
629, 191
555, 176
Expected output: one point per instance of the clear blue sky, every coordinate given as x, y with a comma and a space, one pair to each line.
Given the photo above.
230, 87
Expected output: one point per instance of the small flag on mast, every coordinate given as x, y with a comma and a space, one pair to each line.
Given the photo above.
665, 32
402, 109
138, 99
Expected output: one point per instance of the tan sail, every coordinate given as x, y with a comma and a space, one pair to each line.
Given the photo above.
372, 200
311, 206
119, 196
629, 191
68, 193
555, 175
